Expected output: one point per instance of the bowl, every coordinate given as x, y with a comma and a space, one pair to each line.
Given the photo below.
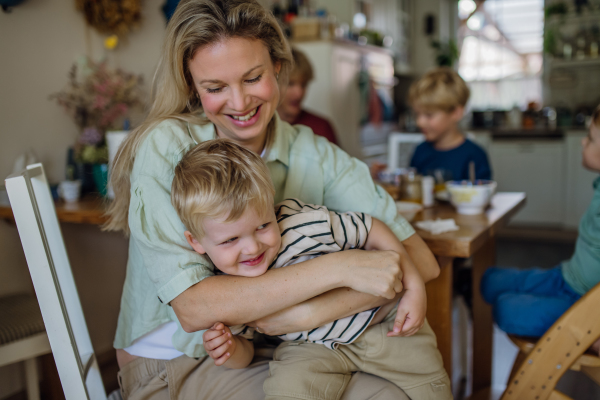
408, 209
471, 198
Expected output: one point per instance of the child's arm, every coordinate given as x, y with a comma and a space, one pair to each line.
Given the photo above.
226, 349
413, 305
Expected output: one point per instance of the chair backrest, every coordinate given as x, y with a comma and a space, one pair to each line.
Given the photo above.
401, 147
42, 241
554, 353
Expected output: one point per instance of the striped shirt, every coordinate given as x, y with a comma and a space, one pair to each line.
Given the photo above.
308, 231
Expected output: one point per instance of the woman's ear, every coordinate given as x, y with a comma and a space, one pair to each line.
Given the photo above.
198, 248
277, 67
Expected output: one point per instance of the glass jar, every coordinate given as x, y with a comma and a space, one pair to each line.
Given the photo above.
410, 187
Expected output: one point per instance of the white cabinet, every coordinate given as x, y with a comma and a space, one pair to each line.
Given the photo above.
579, 181
537, 168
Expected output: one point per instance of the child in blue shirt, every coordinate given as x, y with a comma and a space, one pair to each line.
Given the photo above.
439, 100
528, 302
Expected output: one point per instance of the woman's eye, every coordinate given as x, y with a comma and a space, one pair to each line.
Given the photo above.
254, 80
230, 241
215, 90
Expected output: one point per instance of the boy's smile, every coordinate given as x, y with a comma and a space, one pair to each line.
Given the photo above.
245, 247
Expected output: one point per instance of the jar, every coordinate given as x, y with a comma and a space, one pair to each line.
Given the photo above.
410, 188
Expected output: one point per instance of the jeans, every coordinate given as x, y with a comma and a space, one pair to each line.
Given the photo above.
527, 302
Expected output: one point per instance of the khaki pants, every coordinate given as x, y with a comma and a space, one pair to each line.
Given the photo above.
312, 371
186, 378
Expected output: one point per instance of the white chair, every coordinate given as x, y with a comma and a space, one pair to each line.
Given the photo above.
42, 241
401, 147
23, 337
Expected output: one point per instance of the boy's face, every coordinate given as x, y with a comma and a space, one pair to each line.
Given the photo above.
435, 124
245, 247
591, 149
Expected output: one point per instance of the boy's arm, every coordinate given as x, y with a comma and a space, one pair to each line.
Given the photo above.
232, 351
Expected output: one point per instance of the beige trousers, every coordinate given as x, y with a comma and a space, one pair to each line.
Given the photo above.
186, 378
314, 372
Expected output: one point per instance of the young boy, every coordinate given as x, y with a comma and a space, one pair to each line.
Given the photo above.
224, 195
439, 100
528, 302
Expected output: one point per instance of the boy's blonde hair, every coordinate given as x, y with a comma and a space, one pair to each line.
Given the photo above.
219, 178
439, 89
302, 67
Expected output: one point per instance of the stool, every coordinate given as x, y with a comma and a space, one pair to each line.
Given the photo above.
23, 337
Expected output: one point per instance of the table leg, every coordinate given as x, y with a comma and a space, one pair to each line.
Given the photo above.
482, 319
439, 310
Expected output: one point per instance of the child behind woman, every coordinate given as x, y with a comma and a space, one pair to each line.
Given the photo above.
224, 195
439, 100
528, 302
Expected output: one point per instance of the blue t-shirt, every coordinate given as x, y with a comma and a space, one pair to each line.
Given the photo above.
426, 159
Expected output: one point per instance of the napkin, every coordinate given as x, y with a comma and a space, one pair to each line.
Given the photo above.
438, 226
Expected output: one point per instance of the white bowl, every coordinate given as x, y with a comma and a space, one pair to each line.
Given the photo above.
468, 198
408, 209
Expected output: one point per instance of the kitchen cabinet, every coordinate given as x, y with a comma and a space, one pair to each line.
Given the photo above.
536, 167
579, 180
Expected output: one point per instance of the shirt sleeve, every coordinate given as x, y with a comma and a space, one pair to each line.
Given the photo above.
350, 230
483, 169
348, 186
161, 247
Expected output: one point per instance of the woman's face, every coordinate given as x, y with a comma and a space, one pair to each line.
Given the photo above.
237, 84
291, 103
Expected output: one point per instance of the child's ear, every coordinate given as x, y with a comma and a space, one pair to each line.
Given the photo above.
194, 243
458, 113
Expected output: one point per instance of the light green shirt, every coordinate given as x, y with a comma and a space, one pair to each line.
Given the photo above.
162, 265
582, 271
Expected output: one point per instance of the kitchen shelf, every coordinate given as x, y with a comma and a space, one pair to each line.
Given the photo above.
561, 63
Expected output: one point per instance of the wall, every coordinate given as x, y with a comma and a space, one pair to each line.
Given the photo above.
41, 39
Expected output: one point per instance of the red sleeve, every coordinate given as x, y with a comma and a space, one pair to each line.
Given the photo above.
319, 125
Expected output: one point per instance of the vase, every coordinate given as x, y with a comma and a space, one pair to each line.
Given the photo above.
85, 173
100, 173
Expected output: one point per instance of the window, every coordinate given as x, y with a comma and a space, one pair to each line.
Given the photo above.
501, 51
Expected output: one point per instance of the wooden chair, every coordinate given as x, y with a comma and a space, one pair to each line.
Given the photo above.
540, 364
42, 241
23, 337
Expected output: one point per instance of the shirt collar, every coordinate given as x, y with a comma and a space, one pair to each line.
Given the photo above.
280, 149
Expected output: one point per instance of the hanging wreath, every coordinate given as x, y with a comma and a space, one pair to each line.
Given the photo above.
111, 16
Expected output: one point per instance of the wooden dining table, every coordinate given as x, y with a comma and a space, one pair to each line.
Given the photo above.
474, 239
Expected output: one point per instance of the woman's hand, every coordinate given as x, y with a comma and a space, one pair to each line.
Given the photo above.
377, 273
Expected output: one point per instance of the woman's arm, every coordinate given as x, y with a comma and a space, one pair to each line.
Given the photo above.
236, 300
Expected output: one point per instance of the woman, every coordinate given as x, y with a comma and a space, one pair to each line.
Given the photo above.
223, 65
290, 109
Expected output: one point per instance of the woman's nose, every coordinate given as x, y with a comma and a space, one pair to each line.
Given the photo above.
238, 99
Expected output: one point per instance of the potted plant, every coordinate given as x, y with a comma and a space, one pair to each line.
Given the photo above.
98, 99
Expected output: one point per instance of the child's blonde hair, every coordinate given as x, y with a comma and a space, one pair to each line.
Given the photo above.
439, 89
302, 67
219, 178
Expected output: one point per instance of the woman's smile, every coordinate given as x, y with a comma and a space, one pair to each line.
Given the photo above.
247, 119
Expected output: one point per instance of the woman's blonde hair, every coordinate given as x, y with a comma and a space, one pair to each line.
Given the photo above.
439, 89
195, 23
219, 179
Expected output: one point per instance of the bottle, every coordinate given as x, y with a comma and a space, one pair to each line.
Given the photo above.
427, 186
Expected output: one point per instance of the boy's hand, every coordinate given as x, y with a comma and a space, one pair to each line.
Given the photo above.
219, 343
411, 313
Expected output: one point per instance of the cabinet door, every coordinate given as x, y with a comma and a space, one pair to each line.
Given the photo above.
579, 181
536, 168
